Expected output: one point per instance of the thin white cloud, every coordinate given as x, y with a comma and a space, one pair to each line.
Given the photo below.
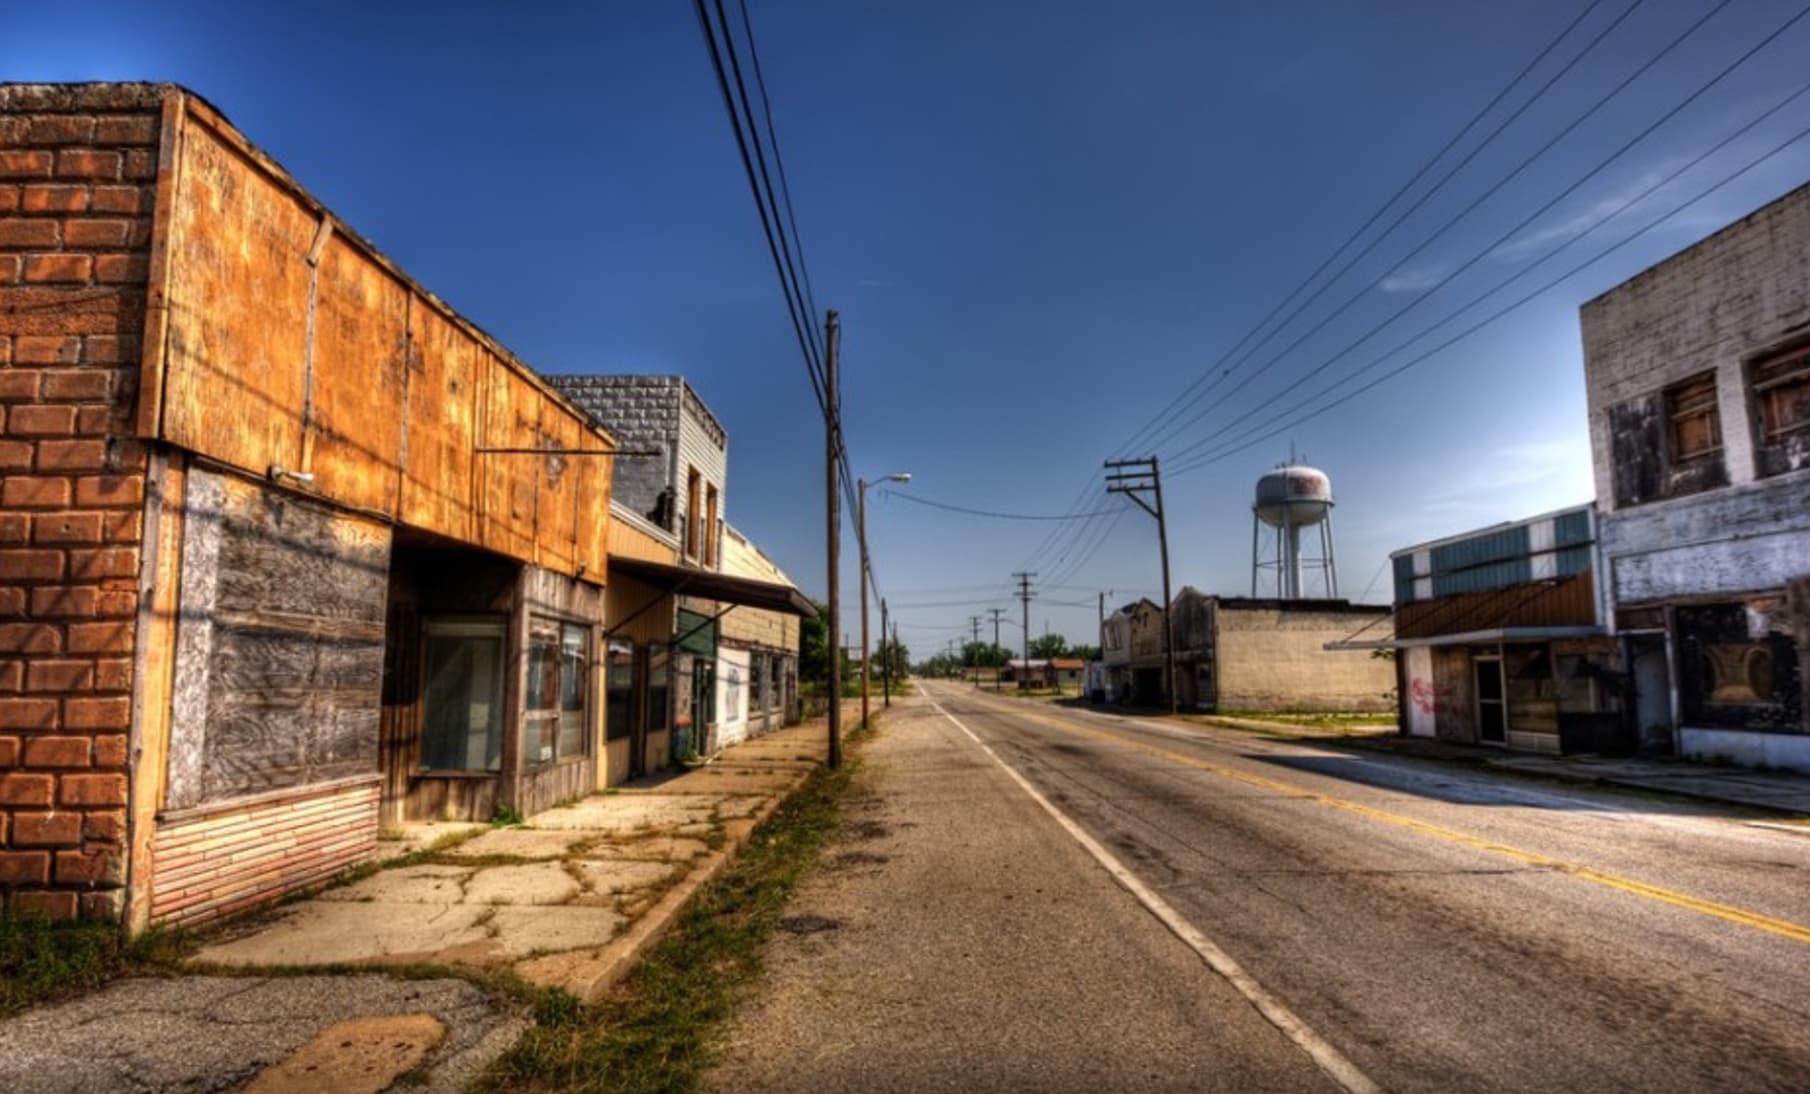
1413, 279
873, 283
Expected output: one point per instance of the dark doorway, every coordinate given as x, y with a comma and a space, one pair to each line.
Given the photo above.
1492, 710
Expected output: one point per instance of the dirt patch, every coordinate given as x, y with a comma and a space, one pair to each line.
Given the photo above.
808, 924
866, 830
357, 1055
861, 858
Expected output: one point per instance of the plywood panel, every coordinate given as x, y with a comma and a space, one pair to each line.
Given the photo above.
238, 309
437, 485
361, 318
511, 420
280, 647
557, 493
591, 488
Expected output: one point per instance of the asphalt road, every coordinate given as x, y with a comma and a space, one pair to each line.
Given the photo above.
1366, 920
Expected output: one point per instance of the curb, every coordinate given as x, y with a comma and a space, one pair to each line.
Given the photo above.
590, 974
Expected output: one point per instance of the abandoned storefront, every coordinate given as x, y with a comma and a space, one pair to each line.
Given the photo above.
669, 700
368, 583
1698, 379
1496, 639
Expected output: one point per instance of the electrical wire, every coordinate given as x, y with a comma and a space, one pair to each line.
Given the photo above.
1476, 203
917, 499
1525, 222
1221, 454
1176, 405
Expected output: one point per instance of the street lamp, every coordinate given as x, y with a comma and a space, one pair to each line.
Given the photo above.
861, 538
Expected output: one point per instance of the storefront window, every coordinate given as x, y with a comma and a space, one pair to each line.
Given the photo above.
757, 683
462, 695
620, 689
553, 714
540, 707
1734, 677
659, 687
574, 662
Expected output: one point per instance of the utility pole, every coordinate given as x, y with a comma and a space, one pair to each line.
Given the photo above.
832, 428
974, 625
886, 656
1024, 596
997, 612
1135, 479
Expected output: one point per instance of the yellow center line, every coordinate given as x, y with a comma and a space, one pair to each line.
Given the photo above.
1784, 928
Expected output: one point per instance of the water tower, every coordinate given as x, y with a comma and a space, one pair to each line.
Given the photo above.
1289, 499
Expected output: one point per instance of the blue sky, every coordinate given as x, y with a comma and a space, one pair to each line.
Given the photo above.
1039, 221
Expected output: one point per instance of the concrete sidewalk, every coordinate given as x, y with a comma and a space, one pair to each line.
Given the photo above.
570, 899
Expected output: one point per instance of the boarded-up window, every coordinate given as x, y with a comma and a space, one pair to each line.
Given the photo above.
1668, 443
279, 664
1690, 409
710, 528
1737, 670
1781, 392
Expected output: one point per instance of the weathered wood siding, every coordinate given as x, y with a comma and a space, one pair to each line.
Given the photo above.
1567, 602
292, 343
279, 653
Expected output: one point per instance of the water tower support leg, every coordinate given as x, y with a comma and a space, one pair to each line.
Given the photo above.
1332, 566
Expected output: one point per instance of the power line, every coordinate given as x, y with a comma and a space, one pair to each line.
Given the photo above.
1053, 538
1214, 457
1508, 235
803, 325
1453, 221
1401, 192
919, 500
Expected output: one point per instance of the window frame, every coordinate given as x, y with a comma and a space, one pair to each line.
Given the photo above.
535, 720
492, 625
693, 484
1706, 403
1777, 448
710, 516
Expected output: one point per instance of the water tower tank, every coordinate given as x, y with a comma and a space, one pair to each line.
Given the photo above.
1293, 496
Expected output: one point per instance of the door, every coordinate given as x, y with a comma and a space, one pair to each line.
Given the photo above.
1492, 708
703, 708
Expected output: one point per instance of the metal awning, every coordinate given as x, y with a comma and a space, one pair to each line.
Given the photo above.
1473, 638
769, 596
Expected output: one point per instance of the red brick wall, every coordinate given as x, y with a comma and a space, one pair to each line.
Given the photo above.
77, 167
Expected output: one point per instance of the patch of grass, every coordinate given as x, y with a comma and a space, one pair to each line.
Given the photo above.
1326, 719
506, 816
658, 1030
41, 960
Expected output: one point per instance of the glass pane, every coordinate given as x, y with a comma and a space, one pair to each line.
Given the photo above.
540, 711
620, 691
573, 641
659, 685
462, 698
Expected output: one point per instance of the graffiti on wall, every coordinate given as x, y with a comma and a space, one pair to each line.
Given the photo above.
1430, 698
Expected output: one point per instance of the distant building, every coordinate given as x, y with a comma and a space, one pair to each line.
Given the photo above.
1698, 383
1497, 639
1243, 653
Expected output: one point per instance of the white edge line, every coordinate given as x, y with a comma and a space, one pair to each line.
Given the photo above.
1330, 1060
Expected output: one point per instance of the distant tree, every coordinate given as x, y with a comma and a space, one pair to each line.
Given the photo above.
1047, 646
984, 655
813, 646
1084, 653
893, 654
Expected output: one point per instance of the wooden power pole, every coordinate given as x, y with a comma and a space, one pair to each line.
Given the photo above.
997, 612
1024, 596
1135, 479
886, 656
832, 431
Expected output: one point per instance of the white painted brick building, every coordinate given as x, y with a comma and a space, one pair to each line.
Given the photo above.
1698, 376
